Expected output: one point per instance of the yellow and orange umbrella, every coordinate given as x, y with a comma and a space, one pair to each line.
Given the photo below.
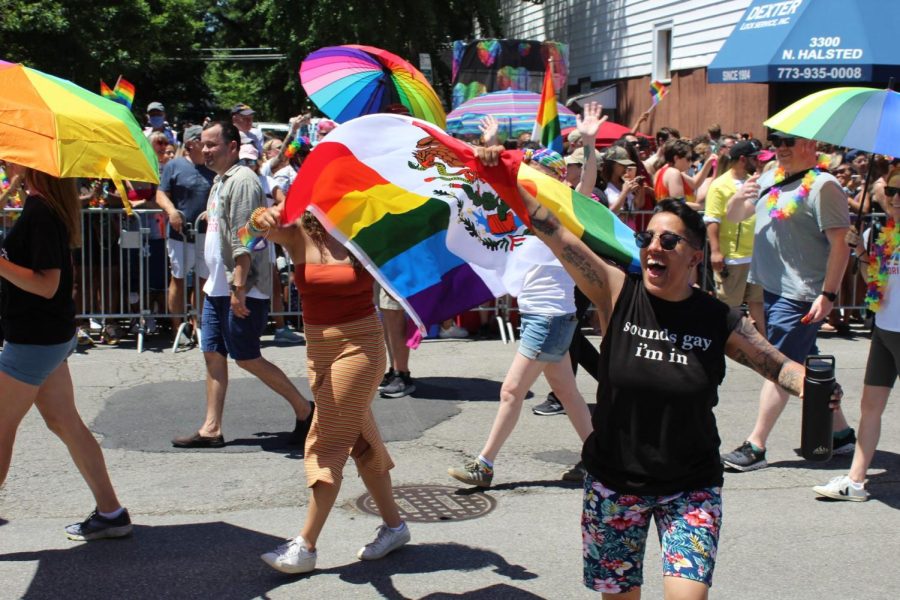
57, 127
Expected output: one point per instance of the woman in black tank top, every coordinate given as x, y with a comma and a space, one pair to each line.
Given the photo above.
654, 449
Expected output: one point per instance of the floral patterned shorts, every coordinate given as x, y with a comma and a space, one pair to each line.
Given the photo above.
614, 531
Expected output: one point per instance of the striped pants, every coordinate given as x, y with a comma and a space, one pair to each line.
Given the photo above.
346, 363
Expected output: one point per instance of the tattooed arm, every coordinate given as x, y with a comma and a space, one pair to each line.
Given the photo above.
746, 346
600, 281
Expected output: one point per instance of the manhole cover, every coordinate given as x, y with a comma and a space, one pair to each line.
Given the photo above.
434, 503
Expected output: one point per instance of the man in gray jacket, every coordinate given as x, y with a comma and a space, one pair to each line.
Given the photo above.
236, 308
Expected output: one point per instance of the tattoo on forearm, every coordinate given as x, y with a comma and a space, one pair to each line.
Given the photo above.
575, 257
545, 222
765, 359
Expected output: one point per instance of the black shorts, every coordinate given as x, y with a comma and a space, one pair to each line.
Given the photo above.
883, 364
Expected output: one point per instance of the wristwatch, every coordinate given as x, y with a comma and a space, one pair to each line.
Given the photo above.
235, 288
829, 295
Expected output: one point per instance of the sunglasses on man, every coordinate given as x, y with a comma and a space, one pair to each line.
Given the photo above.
891, 191
667, 239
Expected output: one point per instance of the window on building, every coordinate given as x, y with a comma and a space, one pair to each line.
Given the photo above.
662, 52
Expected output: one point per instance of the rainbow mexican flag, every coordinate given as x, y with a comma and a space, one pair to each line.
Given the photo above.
439, 230
546, 123
419, 211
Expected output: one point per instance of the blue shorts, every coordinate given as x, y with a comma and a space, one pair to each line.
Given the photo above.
33, 363
226, 334
784, 329
614, 529
546, 338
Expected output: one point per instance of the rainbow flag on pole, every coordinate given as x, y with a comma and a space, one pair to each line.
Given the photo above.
125, 92
546, 124
106, 91
658, 91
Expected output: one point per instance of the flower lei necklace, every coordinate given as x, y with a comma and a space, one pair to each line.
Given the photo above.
878, 270
789, 207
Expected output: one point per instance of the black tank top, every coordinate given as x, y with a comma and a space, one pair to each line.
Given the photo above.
661, 364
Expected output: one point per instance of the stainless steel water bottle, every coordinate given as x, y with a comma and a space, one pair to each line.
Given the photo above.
816, 428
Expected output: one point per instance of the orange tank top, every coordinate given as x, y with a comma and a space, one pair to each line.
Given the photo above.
661, 191
334, 294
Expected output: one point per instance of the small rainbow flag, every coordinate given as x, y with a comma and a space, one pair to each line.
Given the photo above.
546, 122
107, 92
125, 91
658, 91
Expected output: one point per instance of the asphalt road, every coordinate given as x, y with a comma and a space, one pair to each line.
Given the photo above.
203, 517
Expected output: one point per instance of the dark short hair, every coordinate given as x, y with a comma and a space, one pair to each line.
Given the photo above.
675, 148
230, 133
692, 220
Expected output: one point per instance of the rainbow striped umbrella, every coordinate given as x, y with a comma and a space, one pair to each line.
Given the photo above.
854, 117
349, 81
515, 111
57, 127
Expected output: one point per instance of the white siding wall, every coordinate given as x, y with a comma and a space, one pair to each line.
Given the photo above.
613, 39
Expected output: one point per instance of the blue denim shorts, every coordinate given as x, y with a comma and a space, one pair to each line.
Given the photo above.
226, 334
33, 363
784, 329
546, 338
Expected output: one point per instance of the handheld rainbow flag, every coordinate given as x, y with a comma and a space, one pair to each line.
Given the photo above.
125, 91
546, 123
658, 91
439, 230
106, 91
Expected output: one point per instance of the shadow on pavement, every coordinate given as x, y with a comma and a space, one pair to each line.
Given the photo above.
220, 560
433, 558
520, 485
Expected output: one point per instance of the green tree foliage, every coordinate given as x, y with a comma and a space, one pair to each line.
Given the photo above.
156, 44
145, 41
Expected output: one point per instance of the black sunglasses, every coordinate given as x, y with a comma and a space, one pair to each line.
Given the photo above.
667, 240
891, 191
786, 142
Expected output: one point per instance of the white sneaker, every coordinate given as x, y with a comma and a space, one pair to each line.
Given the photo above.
291, 557
839, 488
454, 332
386, 541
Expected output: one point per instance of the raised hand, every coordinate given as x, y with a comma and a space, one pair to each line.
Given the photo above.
488, 126
588, 123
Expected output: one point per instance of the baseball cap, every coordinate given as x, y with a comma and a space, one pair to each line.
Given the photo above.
574, 136
619, 155
248, 152
242, 109
851, 155
745, 148
156, 106
577, 157
191, 133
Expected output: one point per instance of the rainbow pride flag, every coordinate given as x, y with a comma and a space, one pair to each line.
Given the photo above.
125, 91
546, 124
658, 91
595, 224
106, 91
